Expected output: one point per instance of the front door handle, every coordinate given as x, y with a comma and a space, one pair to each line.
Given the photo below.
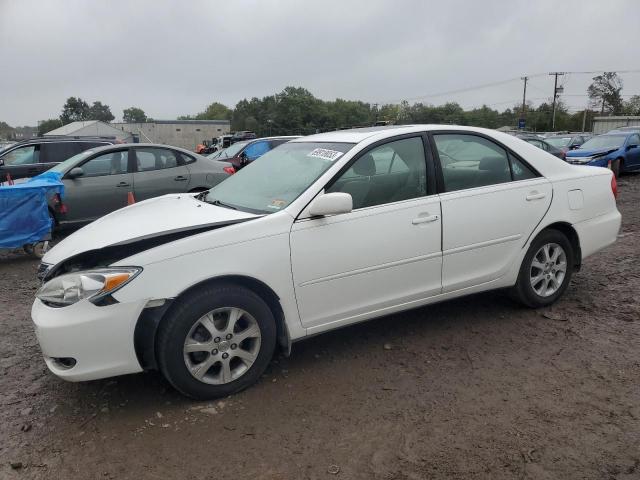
535, 196
180, 178
123, 184
427, 219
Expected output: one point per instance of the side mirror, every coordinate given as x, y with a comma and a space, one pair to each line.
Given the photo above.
75, 172
331, 204
1, 162
629, 147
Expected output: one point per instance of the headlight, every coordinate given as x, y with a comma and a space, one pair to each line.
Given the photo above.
89, 285
581, 159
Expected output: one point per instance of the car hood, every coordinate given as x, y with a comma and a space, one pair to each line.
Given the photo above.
590, 153
146, 224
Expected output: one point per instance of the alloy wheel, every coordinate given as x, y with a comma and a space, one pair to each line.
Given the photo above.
548, 269
222, 345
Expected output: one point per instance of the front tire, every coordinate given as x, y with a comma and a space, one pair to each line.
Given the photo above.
216, 341
616, 167
546, 270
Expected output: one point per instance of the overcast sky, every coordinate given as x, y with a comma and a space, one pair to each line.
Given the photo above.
173, 57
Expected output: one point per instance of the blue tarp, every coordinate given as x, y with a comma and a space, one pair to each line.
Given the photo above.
24, 215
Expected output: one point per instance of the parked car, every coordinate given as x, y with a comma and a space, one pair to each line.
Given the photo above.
36, 155
567, 142
618, 151
243, 153
547, 147
635, 128
243, 135
98, 181
324, 231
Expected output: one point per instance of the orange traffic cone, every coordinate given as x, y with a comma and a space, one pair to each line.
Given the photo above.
130, 198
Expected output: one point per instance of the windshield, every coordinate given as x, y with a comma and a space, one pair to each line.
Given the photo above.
65, 166
277, 178
233, 150
558, 141
214, 154
603, 141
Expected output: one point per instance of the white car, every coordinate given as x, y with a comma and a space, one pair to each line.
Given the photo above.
319, 233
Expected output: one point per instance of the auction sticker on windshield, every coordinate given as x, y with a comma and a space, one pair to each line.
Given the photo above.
325, 154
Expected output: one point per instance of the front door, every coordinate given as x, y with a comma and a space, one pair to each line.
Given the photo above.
102, 188
383, 254
492, 202
158, 171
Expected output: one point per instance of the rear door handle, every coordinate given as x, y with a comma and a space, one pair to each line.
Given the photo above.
427, 219
180, 178
535, 196
123, 184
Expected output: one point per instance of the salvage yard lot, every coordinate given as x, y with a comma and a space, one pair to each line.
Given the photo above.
473, 388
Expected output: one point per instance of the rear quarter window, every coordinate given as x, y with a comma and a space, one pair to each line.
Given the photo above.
58, 152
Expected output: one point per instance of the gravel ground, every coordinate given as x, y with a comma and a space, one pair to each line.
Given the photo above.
472, 388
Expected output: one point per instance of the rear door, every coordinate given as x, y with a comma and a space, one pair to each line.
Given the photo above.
103, 187
158, 171
53, 153
491, 203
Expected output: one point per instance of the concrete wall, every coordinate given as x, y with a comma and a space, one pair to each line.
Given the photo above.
604, 124
180, 133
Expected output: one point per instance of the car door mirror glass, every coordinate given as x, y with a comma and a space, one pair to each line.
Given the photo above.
75, 172
331, 204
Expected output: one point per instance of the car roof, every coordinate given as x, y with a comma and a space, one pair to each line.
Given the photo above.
357, 135
65, 138
120, 146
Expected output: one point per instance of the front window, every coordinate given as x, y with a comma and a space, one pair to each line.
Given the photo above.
22, 156
603, 141
278, 178
69, 163
558, 142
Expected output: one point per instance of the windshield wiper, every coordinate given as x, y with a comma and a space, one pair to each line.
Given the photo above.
222, 204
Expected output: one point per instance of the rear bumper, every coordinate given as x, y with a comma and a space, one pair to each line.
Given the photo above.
598, 233
99, 339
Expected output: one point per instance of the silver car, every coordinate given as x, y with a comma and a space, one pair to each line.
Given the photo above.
101, 180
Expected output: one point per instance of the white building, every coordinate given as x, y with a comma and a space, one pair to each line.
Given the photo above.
180, 133
91, 128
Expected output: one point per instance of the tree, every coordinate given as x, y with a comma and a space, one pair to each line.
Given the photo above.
101, 112
632, 106
133, 115
215, 111
45, 126
6, 130
604, 92
74, 110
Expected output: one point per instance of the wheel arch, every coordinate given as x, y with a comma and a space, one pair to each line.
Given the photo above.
571, 234
146, 329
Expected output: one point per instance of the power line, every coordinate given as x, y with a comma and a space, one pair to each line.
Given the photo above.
498, 83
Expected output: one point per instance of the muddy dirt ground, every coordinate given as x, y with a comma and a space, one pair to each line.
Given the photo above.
472, 388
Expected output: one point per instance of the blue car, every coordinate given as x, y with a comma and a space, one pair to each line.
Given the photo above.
619, 151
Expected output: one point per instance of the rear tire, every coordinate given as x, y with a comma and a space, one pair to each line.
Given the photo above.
216, 341
546, 270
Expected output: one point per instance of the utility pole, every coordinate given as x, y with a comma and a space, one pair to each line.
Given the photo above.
524, 104
555, 94
584, 119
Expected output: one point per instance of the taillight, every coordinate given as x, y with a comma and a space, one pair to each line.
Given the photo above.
58, 205
229, 170
614, 186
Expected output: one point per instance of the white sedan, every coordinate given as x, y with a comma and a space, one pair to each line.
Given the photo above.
319, 233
